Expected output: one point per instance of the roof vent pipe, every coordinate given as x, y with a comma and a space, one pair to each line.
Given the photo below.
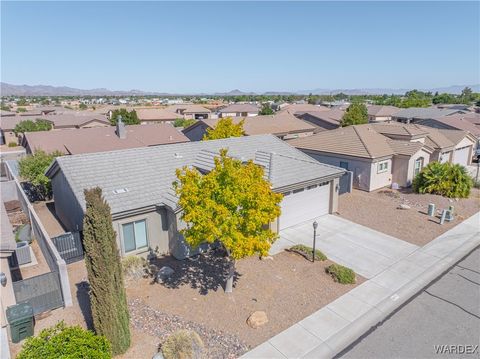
121, 131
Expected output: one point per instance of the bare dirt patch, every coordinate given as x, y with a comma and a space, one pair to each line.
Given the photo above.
288, 288
379, 210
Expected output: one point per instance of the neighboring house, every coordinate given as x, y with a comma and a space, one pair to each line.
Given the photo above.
137, 184
299, 109
448, 145
4, 113
188, 112
380, 113
100, 139
358, 149
239, 110
283, 125
467, 122
381, 154
324, 120
59, 122
414, 114
156, 115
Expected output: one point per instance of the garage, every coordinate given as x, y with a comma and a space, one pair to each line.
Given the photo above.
304, 204
462, 156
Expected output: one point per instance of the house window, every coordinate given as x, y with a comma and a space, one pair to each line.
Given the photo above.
344, 165
418, 166
134, 235
382, 167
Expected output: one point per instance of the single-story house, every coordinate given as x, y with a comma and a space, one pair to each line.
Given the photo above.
59, 122
298, 109
467, 122
448, 145
188, 111
380, 113
156, 115
100, 139
282, 125
239, 110
375, 160
414, 114
324, 120
137, 184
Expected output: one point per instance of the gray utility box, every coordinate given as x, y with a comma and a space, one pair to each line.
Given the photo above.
20, 318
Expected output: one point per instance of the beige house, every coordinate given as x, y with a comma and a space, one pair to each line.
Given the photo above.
156, 115
283, 125
379, 113
191, 111
239, 110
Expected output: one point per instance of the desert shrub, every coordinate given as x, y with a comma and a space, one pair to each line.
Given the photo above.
306, 251
12, 144
61, 341
445, 179
341, 274
183, 344
133, 266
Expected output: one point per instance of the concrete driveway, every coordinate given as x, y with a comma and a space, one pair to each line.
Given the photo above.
360, 248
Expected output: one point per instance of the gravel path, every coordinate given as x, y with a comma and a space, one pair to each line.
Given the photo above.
161, 325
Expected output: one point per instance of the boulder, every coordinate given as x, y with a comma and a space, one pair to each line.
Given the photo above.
404, 206
164, 273
257, 319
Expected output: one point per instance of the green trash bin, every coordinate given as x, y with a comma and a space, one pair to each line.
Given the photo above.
20, 318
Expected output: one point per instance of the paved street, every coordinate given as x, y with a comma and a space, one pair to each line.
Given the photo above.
445, 313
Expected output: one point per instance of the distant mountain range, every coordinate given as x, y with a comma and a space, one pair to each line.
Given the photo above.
45, 90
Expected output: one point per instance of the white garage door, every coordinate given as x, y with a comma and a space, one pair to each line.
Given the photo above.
445, 157
461, 156
304, 205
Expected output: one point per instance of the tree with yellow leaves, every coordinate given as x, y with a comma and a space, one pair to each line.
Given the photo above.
225, 128
232, 204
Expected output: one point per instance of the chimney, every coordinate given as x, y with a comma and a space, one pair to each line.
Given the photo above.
121, 131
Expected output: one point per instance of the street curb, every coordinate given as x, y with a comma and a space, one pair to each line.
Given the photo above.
353, 332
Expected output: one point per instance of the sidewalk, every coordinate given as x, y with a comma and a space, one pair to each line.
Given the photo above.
331, 329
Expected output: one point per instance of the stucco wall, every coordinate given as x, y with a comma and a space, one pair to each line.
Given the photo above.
361, 169
383, 179
411, 165
67, 207
157, 231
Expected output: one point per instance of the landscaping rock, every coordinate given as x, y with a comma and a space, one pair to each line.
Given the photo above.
164, 273
404, 206
257, 319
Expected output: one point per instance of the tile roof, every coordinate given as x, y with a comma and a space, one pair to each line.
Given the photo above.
148, 173
399, 129
297, 109
156, 114
333, 116
100, 139
382, 111
458, 122
188, 108
280, 123
58, 121
359, 141
423, 113
406, 148
240, 107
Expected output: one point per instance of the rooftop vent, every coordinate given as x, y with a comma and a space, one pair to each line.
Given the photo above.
120, 190
170, 138
177, 155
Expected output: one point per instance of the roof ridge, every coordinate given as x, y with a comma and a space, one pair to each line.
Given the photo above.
362, 141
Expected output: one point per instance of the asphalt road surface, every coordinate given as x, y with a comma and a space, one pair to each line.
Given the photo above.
443, 321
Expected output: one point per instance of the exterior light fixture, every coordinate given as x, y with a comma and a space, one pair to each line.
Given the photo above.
3, 279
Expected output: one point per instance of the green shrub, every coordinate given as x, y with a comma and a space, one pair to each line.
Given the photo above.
61, 341
341, 274
181, 122
183, 344
445, 179
307, 252
12, 144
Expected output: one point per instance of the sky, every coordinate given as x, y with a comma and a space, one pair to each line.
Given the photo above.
188, 47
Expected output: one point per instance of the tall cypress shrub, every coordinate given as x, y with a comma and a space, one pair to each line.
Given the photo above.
107, 292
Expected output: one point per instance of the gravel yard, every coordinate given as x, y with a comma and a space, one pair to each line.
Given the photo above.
287, 287
379, 210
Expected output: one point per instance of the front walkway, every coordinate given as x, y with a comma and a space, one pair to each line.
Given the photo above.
331, 329
366, 251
